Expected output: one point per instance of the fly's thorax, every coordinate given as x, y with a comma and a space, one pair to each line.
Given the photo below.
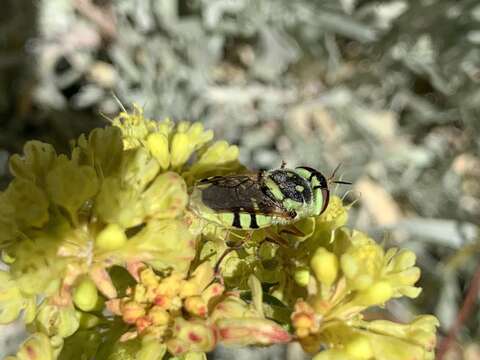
291, 190
319, 187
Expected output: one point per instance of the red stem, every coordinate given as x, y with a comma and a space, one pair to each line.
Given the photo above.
463, 314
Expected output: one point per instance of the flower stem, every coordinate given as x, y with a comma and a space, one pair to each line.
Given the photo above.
462, 316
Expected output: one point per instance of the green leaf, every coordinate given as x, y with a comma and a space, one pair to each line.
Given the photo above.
37, 161
29, 202
82, 345
70, 185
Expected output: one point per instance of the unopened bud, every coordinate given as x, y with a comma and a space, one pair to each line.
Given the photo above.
111, 238
158, 316
325, 266
131, 311
195, 305
302, 276
85, 295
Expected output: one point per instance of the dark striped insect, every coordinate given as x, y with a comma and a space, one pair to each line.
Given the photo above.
257, 200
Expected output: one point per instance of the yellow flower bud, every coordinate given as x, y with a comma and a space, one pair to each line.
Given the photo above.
132, 311
158, 316
195, 305
85, 295
302, 321
302, 276
157, 143
325, 266
111, 238
359, 348
191, 335
302, 332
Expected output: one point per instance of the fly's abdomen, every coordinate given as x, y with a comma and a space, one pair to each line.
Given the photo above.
230, 207
254, 201
244, 221
234, 219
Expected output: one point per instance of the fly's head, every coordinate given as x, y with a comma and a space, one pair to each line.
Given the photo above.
319, 187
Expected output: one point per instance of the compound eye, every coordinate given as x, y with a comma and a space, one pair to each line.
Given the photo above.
326, 199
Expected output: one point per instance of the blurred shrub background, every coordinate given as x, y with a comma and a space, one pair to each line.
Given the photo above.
389, 89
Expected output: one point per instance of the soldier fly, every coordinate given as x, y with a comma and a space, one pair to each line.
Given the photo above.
257, 200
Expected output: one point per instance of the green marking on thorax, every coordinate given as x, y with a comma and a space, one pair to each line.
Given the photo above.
275, 190
303, 173
299, 188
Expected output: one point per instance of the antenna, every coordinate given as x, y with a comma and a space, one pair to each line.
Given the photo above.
331, 179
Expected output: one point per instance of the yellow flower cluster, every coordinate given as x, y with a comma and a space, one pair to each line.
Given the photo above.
350, 273
105, 238
173, 145
191, 314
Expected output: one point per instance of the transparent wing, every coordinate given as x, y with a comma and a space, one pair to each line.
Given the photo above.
240, 193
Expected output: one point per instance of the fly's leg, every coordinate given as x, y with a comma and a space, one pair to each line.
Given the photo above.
227, 251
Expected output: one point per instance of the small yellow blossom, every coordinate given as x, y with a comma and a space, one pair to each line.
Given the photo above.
132, 311
158, 316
